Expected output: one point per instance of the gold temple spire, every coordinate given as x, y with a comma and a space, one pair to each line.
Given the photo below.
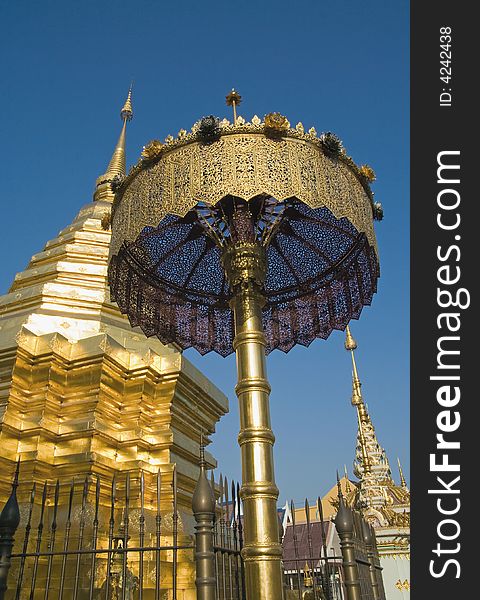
371, 459
376, 493
357, 401
403, 483
117, 165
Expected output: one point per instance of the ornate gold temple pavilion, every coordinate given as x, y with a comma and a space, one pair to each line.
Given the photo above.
82, 392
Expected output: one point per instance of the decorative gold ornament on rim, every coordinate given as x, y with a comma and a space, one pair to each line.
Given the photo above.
368, 173
276, 122
152, 149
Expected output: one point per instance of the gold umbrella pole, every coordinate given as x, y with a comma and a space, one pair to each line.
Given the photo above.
245, 265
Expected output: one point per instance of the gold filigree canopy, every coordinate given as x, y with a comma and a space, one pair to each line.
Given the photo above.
244, 162
296, 194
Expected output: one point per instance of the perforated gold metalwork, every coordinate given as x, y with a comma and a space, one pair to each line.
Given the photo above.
242, 165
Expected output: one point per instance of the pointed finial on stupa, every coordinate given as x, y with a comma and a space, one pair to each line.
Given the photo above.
403, 483
117, 164
127, 111
117, 167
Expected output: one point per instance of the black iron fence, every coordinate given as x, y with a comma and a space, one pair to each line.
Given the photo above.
78, 546
75, 547
80, 543
227, 543
314, 570
311, 568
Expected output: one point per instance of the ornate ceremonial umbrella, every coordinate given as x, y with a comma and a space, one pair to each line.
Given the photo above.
247, 237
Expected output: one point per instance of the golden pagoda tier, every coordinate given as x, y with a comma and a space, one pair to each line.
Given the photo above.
81, 391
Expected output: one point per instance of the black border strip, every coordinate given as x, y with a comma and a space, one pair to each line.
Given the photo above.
449, 125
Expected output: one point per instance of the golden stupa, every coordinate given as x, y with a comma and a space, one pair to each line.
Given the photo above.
84, 396
82, 392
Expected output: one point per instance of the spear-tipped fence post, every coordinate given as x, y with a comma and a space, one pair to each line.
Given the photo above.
345, 526
9, 521
328, 577
368, 539
203, 505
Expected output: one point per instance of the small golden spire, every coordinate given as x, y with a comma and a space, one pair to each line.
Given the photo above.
403, 483
357, 400
127, 111
117, 165
233, 99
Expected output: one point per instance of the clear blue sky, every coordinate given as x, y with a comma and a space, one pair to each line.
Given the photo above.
339, 66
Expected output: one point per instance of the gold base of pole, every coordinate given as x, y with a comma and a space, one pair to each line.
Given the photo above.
245, 265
